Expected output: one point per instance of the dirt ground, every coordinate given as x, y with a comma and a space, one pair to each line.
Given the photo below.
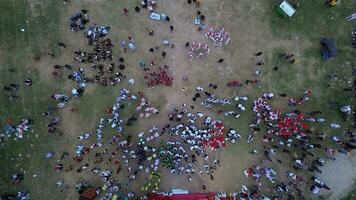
200, 72
340, 175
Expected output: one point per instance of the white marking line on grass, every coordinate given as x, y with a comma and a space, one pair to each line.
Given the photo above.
32, 62
22, 94
18, 51
297, 55
298, 52
220, 8
2, 41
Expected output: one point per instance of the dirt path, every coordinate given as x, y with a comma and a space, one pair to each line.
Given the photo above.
340, 175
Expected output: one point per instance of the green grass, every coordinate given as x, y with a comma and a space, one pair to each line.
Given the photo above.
312, 19
351, 195
311, 22
18, 49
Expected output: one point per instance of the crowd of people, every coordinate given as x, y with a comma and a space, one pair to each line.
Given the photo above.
160, 76
186, 142
159, 147
219, 36
198, 50
79, 20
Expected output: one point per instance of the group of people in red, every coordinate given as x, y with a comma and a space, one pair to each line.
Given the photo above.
218, 137
159, 76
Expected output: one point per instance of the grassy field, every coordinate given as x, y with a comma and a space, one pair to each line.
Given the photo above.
351, 195
254, 26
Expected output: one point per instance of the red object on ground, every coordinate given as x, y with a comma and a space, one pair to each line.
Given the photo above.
56, 74
194, 196
88, 194
234, 84
308, 92
126, 12
249, 172
9, 120
108, 111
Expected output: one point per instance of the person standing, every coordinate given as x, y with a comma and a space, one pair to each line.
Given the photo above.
126, 12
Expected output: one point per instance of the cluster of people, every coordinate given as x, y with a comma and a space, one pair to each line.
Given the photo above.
199, 21
145, 109
317, 184
301, 100
160, 76
219, 36
213, 100
148, 4
52, 125
21, 195
232, 136
84, 136
196, 2
256, 173
245, 193
103, 75
286, 125
289, 57
210, 100
107, 75
346, 144
127, 44
171, 154
102, 51
96, 32
18, 131
79, 20
210, 135
289, 132
114, 119
130, 154
11, 89
62, 99
198, 50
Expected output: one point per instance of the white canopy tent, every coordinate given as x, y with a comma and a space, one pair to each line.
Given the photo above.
287, 8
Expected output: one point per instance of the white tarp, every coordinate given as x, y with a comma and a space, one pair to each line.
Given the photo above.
287, 8
179, 191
